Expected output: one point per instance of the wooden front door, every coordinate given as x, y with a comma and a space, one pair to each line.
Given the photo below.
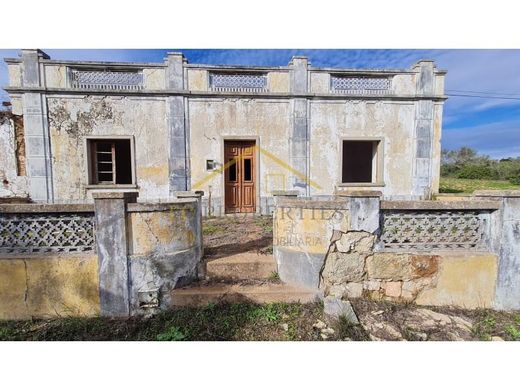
239, 176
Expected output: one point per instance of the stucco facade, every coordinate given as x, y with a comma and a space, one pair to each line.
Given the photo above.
177, 118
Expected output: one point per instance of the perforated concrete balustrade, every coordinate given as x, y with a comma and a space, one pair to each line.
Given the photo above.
106, 79
115, 257
462, 253
46, 228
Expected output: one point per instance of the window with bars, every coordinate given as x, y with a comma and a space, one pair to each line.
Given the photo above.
110, 161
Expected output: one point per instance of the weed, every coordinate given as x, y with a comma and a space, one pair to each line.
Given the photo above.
172, 334
485, 328
348, 330
269, 313
209, 229
274, 277
513, 332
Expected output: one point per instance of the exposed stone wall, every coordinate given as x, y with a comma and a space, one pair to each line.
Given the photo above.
352, 269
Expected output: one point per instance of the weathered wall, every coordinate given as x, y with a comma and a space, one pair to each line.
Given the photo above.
178, 121
164, 250
333, 245
11, 184
333, 121
71, 119
214, 120
48, 286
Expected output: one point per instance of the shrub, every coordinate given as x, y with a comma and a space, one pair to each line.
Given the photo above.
515, 178
476, 172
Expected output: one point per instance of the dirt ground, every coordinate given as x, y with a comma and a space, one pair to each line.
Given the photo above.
237, 234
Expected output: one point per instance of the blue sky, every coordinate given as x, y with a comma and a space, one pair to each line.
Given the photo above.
488, 124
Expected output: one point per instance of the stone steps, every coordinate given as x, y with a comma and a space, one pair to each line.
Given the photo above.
240, 291
247, 265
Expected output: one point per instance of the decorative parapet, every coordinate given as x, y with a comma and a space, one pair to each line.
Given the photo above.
106, 79
238, 82
361, 85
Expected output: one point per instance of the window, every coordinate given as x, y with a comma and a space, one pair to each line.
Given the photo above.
360, 161
110, 161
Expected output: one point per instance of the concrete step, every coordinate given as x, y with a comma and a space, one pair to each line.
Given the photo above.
247, 265
257, 292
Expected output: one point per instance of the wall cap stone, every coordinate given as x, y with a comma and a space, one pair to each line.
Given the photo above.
188, 194
149, 207
285, 193
13, 208
358, 193
439, 205
115, 195
497, 193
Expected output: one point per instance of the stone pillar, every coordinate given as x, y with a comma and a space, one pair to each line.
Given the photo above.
178, 130
112, 250
36, 129
197, 195
364, 209
423, 132
299, 138
505, 242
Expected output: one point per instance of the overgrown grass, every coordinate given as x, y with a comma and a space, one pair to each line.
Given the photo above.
467, 186
240, 321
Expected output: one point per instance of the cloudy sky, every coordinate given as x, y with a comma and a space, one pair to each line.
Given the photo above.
483, 109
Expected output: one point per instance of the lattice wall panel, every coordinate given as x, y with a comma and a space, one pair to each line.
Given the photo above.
106, 80
427, 230
361, 85
238, 82
46, 232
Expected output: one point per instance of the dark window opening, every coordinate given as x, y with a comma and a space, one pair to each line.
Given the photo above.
232, 170
357, 161
111, 161
247, 169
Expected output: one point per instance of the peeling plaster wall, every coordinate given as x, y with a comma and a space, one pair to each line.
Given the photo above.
164, 251
333, 121
48, 286
11, 185
213, 120
71, 119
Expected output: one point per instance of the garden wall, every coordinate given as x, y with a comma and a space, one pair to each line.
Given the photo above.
114, 258
427, 252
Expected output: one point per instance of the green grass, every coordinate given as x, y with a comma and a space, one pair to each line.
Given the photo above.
467, 186
209, 229
239, 321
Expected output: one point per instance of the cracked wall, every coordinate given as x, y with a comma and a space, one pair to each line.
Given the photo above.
48, 286
164, 252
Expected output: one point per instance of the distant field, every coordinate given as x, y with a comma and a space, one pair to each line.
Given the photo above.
451, 185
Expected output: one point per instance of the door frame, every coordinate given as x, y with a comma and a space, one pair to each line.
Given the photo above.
256, 139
